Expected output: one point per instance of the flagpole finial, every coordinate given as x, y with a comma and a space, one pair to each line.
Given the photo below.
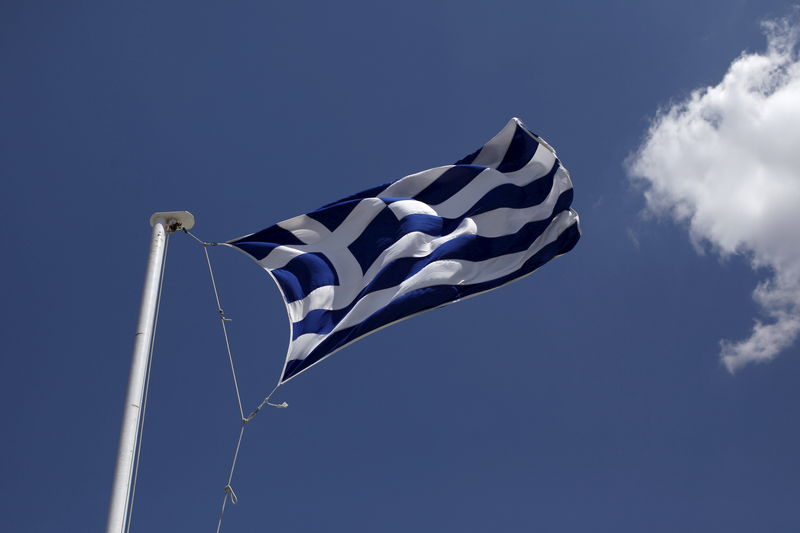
174, 220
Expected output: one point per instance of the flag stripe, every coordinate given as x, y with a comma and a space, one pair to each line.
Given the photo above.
519, 152
494, 151
304, 273
450, 182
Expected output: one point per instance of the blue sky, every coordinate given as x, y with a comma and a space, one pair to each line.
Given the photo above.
589, 396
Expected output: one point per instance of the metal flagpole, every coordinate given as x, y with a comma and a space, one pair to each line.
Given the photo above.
163, 223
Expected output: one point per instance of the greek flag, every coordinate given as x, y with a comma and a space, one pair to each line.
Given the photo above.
429, 239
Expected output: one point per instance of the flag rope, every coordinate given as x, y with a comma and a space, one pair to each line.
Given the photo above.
229, 492
224, 320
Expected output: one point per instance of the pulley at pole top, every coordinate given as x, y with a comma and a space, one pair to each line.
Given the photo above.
174, 220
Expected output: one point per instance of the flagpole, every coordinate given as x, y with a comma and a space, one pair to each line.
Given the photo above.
162, 223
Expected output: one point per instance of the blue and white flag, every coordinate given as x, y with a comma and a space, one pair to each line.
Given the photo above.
427, 240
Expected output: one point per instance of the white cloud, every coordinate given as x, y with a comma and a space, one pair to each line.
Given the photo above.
726, 161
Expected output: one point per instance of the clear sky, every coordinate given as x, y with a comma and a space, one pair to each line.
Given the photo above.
590, 396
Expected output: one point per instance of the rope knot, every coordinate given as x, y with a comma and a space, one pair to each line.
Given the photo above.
232, 495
